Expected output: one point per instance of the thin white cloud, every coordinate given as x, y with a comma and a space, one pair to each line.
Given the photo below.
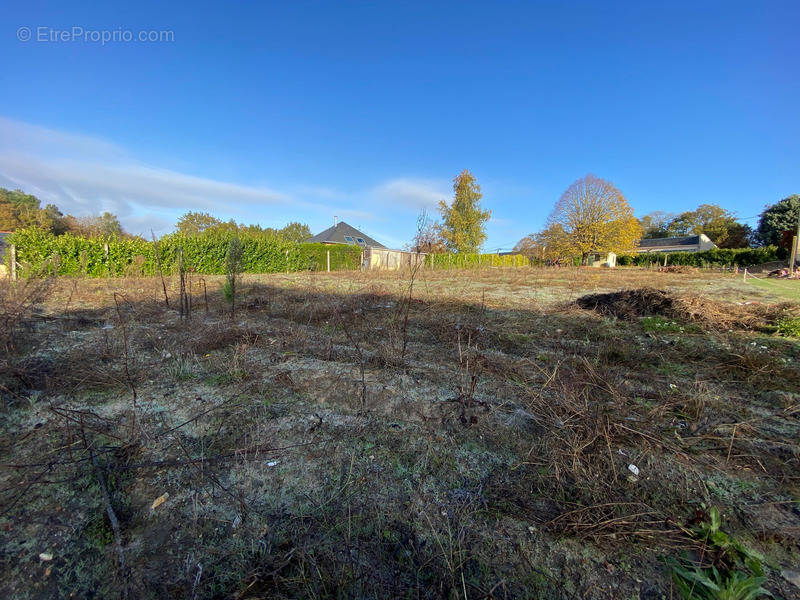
84, 185
415, 194
27, 138
85, 175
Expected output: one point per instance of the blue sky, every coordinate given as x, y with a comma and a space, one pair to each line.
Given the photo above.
270, 112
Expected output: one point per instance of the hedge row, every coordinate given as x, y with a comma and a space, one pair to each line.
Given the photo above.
474, 261
744, 257
41, 253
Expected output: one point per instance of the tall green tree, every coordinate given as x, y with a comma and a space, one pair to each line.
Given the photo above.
104, 225
108, 224
718, 224
18, 209
776, 219
54, 220
295, 232
195, 223
656, 224
463, 222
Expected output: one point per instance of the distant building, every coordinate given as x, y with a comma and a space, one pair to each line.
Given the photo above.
342, 233
692, 243
375, 256
597, 259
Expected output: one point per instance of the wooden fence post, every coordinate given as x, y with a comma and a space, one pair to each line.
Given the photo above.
12, 249
329, 261
287, 262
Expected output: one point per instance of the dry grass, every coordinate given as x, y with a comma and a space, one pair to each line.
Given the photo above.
636, 303
305, 454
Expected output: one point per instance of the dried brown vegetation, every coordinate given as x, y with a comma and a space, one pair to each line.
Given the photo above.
472, 438
691, 308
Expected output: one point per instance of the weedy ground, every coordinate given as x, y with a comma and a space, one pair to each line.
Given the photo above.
485, 436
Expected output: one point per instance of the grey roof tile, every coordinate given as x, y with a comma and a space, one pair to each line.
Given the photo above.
338, 233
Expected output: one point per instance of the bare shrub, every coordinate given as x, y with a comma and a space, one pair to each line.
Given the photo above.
17, 301
233, 270
216, 337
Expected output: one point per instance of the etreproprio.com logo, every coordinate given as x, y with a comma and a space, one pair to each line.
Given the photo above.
44, 34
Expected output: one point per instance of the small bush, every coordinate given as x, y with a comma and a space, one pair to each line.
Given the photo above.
789, 326
227, 291
660, 325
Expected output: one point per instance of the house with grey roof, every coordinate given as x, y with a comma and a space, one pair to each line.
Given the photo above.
691, 243
375, 256
342, 233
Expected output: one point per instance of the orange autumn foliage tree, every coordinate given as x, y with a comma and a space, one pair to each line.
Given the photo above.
593, 216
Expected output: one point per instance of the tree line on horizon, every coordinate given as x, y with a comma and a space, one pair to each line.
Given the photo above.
591, 216
19, 210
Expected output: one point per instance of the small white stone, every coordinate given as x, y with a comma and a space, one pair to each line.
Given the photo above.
45, 556
633, 469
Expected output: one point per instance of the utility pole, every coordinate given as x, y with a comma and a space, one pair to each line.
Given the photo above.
795, 243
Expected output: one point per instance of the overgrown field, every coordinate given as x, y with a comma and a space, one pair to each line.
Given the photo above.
497, 433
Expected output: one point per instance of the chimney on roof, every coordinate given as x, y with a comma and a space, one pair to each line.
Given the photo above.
335, 220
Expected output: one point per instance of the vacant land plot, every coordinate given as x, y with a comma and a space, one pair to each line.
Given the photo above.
488, 434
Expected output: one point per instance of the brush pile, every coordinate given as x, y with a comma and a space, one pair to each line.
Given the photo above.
643, 302
677, 269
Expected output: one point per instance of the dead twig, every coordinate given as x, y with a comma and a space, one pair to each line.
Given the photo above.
112, 518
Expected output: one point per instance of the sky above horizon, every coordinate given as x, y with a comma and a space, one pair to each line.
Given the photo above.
301, 111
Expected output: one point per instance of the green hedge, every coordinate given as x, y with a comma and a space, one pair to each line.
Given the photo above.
474, 261
41, 253
744, 257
